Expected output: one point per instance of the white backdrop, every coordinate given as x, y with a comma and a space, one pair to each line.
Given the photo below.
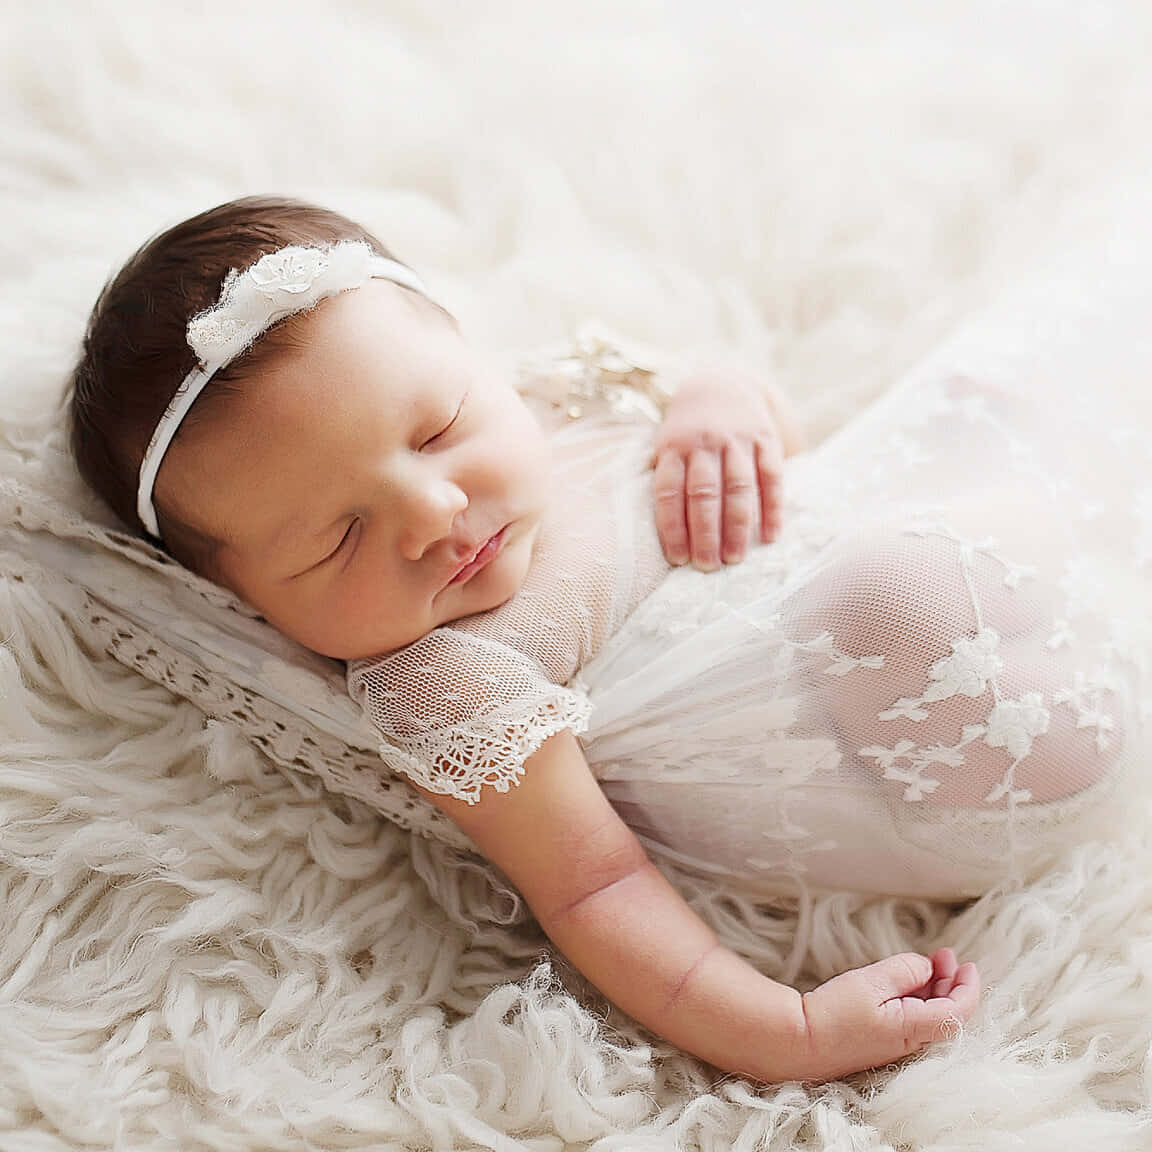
197, 955
820, 181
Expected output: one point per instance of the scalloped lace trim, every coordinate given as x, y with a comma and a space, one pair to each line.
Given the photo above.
472, 758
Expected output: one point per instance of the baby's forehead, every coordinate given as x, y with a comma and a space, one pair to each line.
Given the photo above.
372, 351
340, 356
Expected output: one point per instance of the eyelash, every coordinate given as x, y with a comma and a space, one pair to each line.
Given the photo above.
343, 540
448, 428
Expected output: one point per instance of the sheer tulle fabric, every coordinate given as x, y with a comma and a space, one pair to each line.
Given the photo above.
934, 680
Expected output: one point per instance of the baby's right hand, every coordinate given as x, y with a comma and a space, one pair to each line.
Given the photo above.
875, 1015
718, 460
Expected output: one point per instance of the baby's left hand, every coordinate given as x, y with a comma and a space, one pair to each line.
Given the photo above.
871, 1016
718, 460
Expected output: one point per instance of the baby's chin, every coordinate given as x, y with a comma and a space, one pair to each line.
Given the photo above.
496, 584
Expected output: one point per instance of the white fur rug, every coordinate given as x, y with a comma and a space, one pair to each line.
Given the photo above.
202, 953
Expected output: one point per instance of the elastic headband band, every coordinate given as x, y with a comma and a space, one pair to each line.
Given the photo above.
290, 280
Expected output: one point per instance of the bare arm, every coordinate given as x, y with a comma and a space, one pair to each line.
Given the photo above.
608, 909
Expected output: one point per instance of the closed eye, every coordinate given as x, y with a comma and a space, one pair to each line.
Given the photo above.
444, 431
343, 540
341, 547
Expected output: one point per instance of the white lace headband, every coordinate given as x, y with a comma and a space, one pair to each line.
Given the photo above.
290, 280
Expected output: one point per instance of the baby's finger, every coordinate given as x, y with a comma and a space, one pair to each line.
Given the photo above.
965, 994
943, 971
921, 1022
703, 494
905, 974
668, 506
769, 467
741, 500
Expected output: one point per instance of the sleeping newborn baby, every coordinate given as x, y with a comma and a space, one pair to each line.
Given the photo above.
593, 641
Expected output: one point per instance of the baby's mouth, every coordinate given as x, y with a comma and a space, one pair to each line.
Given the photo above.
489, 550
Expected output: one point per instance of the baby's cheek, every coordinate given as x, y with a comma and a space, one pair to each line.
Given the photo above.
526, 459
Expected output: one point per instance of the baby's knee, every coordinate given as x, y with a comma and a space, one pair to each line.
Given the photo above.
954, 693
910, 594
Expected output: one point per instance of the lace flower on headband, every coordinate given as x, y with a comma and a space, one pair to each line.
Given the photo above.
280, 284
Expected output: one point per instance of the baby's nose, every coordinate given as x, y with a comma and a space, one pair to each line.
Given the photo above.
431, 519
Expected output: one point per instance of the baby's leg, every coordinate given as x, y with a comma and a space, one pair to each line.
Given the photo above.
981, 697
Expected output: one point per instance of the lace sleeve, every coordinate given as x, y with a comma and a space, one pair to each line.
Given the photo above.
457, 711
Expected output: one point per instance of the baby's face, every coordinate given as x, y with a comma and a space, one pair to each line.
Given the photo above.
353, 480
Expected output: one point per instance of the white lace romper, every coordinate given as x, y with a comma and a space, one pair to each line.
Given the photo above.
935, 678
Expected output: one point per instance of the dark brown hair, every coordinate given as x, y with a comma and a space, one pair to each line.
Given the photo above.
135, 351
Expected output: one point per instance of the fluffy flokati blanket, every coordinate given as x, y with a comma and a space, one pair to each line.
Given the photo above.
203, 951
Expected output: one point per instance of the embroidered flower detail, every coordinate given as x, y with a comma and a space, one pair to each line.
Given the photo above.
279, 284
207, 333
918, 785
1086, 697
966, 672
291, 269
1013, 723
1013, 572
974, 662
1062, 635
842, 662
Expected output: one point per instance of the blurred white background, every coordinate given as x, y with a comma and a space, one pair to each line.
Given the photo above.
826, 186
196, 954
